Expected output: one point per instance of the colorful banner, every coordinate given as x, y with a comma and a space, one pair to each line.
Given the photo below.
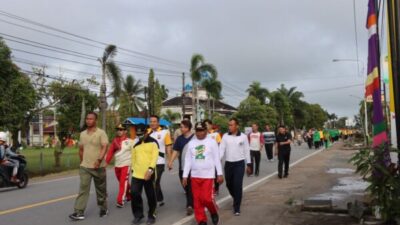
373, 78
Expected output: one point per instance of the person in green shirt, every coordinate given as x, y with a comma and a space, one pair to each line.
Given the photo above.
316, 139
92, 150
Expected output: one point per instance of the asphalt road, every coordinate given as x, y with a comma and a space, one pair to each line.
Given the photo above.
50, 202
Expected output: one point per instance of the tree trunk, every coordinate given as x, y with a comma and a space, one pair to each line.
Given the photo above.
213, 108
194, 111
209, 106
103, 100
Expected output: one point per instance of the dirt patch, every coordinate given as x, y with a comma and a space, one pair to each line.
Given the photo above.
267, 204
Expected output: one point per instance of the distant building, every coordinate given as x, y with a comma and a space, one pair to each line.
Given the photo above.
175, 105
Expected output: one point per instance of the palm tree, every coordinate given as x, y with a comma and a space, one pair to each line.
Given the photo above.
197, 68
296, 104
111, 71
257, 91
171, 116
164, 92
213, 88
131, 98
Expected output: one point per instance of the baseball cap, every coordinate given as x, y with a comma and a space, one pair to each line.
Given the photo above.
200, 126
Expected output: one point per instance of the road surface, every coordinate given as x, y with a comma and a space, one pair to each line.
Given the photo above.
50, 202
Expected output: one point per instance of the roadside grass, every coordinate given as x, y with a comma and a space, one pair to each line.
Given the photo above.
41, 161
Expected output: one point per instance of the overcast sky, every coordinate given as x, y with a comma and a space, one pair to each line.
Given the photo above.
290, 42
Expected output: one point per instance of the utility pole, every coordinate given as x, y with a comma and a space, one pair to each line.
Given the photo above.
183, 95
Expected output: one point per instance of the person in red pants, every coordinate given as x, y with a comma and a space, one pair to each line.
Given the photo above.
120, 148
201, 161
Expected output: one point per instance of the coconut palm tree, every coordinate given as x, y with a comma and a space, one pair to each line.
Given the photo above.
131, 100
111, 71
257, 91
213, 88
296, 104
198, 67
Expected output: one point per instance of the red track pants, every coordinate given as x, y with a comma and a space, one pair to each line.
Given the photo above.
122, 174
203, 197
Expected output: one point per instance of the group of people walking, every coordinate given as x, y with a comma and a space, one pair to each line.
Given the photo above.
200, 151
319, 138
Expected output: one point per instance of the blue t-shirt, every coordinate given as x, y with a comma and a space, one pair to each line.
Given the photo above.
179, 145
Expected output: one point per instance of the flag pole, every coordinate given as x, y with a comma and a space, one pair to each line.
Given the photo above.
394, 40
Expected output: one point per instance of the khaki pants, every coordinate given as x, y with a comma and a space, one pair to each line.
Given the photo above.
100, 184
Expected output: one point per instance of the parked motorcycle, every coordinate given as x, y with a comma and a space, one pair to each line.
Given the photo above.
6, 173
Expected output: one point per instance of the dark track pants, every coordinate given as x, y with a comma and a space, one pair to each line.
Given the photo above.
269, 151
284, 158
234, 173
137, 186
160, 170
255, 161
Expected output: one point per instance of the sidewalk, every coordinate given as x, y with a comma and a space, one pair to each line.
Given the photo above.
268, 203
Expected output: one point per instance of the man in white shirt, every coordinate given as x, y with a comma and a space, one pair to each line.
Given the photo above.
201, 161
256, 140
164, 141
235, 147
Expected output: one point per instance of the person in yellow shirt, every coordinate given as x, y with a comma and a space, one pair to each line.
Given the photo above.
217, 137
144, 159
211, 132
321, 134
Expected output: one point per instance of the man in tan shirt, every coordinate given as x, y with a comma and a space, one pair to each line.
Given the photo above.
92, 150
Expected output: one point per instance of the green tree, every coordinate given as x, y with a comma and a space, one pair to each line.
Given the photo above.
213, 88
111, 71
68, 111
131, 100
159, 95
150, 91
221, 121
281, 103
171, 116
296, 104
164, 92
251, 110
317, 116
257, 91
198, 67
18, 96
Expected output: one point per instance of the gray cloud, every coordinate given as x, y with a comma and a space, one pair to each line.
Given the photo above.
288, 41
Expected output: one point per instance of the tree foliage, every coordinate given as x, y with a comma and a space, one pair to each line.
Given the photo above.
68, 108
251, 110
18, 96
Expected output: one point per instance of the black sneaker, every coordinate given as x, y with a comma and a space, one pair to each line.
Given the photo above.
280, 176
103, 212
161, 204
151, 220
286, 176
189, 211
137, 220
77, 216
203, 223
215, 218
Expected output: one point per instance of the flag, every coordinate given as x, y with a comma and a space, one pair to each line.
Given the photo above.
373, 79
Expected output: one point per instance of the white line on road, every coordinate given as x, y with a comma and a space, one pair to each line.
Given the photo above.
264, 179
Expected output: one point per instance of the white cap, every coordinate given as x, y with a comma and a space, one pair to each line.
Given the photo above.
3, 136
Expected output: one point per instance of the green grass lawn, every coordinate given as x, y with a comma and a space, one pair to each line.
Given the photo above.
39, 167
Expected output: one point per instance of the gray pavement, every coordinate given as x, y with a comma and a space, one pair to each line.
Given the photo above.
51, 202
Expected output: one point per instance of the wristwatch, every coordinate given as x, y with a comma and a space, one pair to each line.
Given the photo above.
151, 170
